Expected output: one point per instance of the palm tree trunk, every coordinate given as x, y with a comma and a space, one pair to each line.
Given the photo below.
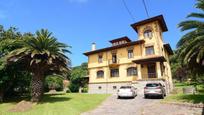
37, 87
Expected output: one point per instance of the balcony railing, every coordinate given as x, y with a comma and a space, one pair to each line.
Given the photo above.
113, 61
149, 75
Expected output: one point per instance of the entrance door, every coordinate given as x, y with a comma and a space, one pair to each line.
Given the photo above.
151, 71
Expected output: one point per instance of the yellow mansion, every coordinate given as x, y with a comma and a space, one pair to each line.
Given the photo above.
129, 62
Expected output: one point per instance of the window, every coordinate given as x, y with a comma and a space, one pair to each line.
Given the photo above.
100, 74
125, 87
120, 42
132, 71
100, 58
114, 58
114, 72
114, 87
153, 85
149, 50
115, 44
148, 33
130, 54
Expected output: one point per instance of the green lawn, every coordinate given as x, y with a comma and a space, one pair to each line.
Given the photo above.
59, 104
190, 98
178, 96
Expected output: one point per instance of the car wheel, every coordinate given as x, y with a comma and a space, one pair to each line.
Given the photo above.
118, 97
145, 96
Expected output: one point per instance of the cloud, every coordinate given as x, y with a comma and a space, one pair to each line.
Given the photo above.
78, 1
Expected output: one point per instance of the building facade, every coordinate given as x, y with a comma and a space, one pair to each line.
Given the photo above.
129, 62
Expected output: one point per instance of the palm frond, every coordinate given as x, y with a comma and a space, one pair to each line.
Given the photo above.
189, 36
192, 49
200, 55
196, 15
190, 24
200, 4
42, 52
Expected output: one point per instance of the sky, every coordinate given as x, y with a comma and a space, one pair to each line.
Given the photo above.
79, 23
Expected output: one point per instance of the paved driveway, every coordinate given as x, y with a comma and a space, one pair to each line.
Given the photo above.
140, 106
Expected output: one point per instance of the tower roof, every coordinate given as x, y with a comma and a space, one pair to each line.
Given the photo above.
125, 38
158, 18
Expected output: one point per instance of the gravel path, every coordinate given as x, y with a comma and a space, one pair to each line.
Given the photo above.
140, 106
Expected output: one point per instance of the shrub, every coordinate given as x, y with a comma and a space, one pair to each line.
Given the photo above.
74, 87
85, 90
53, 83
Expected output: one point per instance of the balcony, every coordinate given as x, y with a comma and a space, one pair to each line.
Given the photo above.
149, 76
113, 62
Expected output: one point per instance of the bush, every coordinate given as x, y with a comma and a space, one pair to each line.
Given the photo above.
85, 90
74, 87
68, 90
53, 83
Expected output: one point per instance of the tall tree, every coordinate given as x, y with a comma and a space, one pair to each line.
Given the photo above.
41, 55
8, 74
179, 71
78, 77
191, 45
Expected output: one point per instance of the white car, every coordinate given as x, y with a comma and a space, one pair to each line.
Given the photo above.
127, 91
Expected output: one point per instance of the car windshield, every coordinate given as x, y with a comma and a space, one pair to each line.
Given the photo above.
125, 87
152, 85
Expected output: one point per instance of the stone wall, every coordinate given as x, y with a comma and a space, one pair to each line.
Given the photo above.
103, 88
112, 88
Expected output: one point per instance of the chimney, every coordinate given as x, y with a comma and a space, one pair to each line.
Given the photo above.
93, 46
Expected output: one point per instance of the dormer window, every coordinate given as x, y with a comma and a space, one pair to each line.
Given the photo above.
120, 41
148, 33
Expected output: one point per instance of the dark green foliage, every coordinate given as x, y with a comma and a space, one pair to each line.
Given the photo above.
179, 72
74, 86
20, 86
11, 75
53, 82
78, 77
41, 55
23, 56
190, 46
85, 89
190, 58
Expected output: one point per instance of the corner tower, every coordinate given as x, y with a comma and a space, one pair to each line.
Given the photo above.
151, 30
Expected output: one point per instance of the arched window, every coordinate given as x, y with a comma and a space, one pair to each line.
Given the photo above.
148, 33
131, 71
100, 74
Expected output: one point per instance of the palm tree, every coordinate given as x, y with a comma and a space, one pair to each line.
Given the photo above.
41, 55
191, 45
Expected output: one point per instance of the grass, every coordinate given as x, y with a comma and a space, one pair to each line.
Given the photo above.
59, 104
178, 96
188, 98
181, 85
